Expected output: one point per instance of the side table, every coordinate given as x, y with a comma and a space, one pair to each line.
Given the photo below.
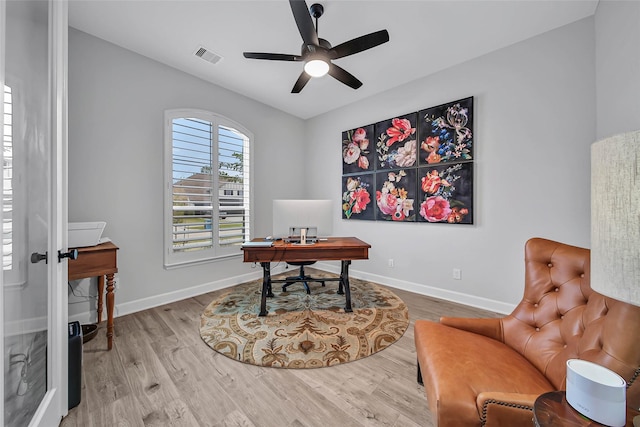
98, 261
552, 409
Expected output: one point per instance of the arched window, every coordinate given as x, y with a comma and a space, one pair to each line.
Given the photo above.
208, 191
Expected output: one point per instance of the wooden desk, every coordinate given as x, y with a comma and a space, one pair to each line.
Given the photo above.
343, 249
98, 261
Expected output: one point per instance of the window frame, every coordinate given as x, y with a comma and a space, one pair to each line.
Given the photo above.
173, 259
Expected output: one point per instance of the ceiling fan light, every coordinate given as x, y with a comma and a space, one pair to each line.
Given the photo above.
316, 67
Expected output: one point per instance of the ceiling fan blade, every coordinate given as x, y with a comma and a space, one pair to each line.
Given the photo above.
301, 82
304, 22
344, 76
359, 44
272, 56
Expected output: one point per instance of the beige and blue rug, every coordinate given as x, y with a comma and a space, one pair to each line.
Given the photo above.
303, 331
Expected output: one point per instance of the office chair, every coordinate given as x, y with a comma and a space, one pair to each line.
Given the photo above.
301, 277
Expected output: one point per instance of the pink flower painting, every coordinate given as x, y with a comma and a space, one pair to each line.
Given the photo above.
397, 145
395, 195
415, 167
356, 156
446, 193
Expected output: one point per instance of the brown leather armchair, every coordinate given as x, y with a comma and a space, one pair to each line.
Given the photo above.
488, 372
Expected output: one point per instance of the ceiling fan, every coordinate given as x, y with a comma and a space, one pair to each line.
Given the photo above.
317, 53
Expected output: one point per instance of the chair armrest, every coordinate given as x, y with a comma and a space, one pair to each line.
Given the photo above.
506, 409
489, 327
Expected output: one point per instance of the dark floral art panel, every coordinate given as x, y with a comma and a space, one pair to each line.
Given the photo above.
446, 132
396, 142
357, 198
396, 195
446, 193
358, 150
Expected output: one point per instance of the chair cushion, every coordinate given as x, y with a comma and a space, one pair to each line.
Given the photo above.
455, 375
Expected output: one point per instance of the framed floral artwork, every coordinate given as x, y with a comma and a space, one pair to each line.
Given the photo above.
357, 197
358, 150
446, 193
396, 142
396, 195
446, 132
415, 167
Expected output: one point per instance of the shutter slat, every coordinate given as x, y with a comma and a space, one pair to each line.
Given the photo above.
195, 200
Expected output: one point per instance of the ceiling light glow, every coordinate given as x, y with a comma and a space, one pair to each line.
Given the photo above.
316, 68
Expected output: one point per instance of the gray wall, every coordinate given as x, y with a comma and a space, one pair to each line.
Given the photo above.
536, 115
116, 103
617, 27
535, 119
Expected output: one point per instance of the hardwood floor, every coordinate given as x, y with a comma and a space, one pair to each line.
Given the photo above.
161, 373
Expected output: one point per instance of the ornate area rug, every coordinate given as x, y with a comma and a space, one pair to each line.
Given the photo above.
303, 331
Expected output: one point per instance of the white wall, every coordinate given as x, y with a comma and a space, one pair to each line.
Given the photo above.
116, 104
617, 67
535, 119
536, 115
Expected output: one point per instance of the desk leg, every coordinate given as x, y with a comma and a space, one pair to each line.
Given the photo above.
110, 301
100, 296
266, 287
344, 280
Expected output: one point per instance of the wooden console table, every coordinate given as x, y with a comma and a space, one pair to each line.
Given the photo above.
343, 249
98, 261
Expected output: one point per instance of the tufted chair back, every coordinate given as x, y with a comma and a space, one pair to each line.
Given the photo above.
560, 317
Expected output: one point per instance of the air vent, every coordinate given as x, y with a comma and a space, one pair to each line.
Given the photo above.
208, 55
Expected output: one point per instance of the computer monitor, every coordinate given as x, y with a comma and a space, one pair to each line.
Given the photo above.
288, 214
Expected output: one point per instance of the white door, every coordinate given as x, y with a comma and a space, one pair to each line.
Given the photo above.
33, 299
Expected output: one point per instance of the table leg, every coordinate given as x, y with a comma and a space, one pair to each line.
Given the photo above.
344, 280
100, 296
110, 302
266, 287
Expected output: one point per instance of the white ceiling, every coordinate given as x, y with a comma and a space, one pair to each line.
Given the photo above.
425, 37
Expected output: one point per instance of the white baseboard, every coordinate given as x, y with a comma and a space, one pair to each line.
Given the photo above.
122, 309
444, 294
125, 308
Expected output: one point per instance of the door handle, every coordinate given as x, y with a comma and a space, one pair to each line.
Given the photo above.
36, 257
72, 254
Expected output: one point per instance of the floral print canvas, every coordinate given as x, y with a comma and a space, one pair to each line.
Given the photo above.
415, 167
446, 132
396, 195
357, 198
396, 142
358, 150
446, 193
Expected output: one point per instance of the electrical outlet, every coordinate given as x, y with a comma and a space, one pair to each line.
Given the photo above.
457, 274
390, 263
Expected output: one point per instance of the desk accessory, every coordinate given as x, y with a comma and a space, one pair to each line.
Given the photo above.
596, 392
262, 244
85, 234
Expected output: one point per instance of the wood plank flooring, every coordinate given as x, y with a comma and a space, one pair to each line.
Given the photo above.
161, 373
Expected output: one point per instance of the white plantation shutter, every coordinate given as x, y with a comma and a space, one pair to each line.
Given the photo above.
12, 250
7, 182
208, 187
233, 184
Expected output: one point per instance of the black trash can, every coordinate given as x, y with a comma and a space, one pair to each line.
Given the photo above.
75, 364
